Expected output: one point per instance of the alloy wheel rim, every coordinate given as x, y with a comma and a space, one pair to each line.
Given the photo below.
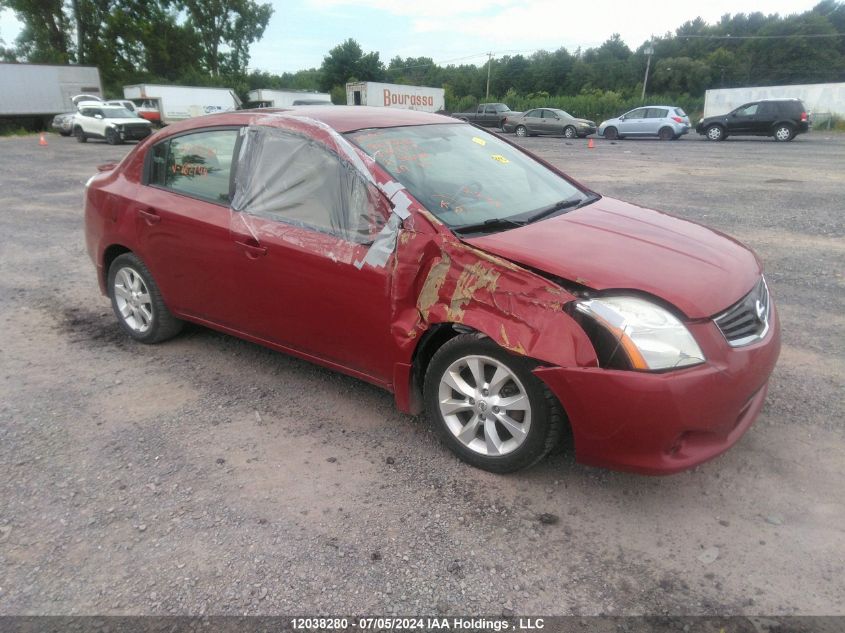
782, 134
520, 131
133, 300
484, 405
568, 132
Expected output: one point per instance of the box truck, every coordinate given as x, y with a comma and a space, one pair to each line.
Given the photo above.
33, 90
371, 93
264, 98
168, 104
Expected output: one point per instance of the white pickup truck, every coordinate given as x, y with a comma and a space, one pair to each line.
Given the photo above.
114, 123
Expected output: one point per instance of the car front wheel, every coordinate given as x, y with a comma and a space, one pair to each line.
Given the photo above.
521, 130
783, 133
611, 133
715, 133
80, 135
137, 301
488, 406
112, 137
570, 132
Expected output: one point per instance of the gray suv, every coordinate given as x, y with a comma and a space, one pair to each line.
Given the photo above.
664, 122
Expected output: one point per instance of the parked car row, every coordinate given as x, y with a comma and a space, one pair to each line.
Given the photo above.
782, 119
114, 121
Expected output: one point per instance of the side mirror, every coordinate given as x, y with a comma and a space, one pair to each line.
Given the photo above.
98, 116
622, 118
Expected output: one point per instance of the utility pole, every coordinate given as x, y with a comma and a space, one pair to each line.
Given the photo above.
648, 51
489, 63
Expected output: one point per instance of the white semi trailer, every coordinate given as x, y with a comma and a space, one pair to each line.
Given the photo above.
169, 104
371, 93
818, 98
265, 98
28, 90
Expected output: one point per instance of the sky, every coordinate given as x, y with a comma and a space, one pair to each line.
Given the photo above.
302, 32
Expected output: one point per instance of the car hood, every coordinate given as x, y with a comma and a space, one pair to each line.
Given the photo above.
135, 119
611, 244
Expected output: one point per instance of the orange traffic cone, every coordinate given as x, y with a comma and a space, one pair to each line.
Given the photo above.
590, 144
42, 140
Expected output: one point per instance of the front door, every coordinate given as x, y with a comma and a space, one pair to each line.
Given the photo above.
306, 220
634, 123
742, 120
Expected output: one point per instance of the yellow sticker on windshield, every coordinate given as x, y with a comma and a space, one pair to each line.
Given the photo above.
480, 141
500, 158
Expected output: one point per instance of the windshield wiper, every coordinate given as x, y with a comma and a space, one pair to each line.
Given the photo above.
569, 203
489, 224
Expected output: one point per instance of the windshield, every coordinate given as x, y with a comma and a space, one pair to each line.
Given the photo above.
118, 113
465, 176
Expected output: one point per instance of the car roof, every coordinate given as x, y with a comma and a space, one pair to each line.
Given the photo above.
342, 118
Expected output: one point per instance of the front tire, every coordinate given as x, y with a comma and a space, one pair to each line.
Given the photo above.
570, 132
783, 133
488, 407
80, 135
715, 133
611, 134
137, 301
112, 137
521, 131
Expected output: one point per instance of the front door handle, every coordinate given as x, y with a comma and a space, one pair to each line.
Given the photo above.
150, 216
253, 251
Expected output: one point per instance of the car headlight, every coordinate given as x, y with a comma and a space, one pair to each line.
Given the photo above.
650, 336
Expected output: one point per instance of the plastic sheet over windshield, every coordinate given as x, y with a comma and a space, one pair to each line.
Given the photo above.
463, 175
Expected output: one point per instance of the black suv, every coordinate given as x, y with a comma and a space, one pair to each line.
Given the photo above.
781, 119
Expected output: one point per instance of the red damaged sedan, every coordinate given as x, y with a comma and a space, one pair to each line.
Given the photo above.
460, 272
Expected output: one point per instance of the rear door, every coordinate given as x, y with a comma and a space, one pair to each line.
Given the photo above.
765, 118
655, 118
533, 121
182, 222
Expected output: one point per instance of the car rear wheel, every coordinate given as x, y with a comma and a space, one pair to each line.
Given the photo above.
715, 133
666, 134
488, 406
611, 133
570, 132
137, 301
784, 133
112, 137
521, 130
80, 135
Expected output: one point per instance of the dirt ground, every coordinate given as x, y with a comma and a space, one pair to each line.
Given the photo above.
210, 475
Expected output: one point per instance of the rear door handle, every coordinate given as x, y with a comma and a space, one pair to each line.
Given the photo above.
253, 251
150, 216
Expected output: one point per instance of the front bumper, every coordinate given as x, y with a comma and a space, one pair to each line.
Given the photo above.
662, 423
135, 134
586, 130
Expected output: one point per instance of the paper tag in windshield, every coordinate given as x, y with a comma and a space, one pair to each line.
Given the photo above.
480, 141
500, 158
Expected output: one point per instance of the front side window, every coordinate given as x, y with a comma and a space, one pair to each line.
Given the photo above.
289, 178
466, 176
749, 110
197, 165
490, 110
636, 114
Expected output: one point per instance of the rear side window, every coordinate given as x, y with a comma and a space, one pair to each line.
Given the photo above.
680, 112
197, 165
657, 113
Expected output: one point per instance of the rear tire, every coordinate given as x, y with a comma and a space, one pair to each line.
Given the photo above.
80, 135
500, 418
665, 134
611, 134
137, 301
784, 133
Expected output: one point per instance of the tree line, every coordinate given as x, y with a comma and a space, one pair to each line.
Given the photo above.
207, 43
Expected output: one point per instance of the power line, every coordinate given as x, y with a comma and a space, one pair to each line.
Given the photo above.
757, 37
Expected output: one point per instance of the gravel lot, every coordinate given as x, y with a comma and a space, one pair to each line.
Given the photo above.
210, 475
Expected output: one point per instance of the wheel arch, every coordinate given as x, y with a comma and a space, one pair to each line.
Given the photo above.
110, 253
